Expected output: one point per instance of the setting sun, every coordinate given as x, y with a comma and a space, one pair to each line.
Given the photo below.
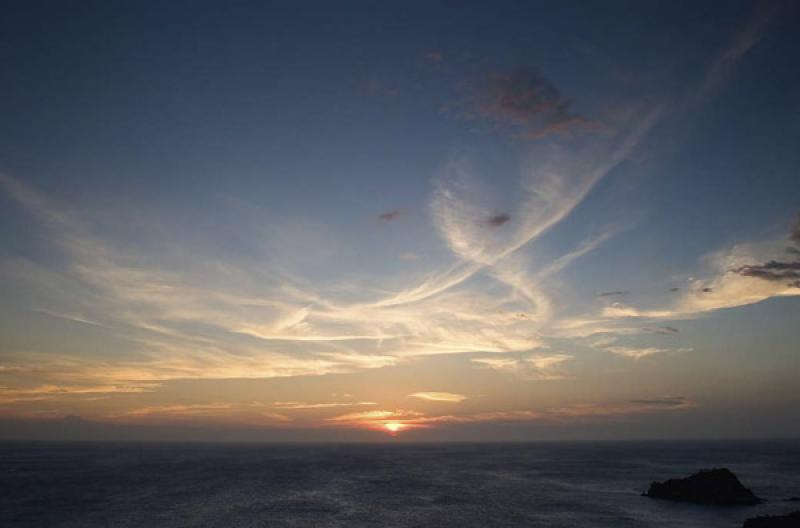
394, 428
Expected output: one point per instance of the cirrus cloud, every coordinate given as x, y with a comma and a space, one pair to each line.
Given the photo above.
439, 396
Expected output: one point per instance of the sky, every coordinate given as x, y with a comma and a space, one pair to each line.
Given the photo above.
407, 221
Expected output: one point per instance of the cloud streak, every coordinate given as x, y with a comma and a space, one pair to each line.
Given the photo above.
439, 396
293, 405
575, 412
639, 353
534, 367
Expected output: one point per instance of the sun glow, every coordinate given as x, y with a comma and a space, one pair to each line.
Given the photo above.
394, 427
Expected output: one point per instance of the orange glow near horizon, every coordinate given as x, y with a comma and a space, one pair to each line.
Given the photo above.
394, 427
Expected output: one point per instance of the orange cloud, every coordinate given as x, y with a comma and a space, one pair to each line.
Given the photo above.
439, 396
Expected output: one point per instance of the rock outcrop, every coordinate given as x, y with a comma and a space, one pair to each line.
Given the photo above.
791, 520
709, 486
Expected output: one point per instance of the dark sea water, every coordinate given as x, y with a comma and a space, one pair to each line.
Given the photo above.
456, 485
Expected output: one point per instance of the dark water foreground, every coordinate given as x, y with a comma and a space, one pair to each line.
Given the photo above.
496, 485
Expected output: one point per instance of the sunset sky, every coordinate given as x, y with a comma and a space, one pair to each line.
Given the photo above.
399, 221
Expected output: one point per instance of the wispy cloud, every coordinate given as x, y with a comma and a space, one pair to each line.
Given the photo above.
215, 412
747, 38
741, 275
639, 353
611, 409
67, 391
181, 410
537, 366
190, 321
783, 270
526, 99
574, 412
293, 405
439, 396
378, 418
661, 330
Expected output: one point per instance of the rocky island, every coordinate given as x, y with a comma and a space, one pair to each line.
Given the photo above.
718, 487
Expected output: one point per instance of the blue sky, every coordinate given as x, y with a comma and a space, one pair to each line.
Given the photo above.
471, 220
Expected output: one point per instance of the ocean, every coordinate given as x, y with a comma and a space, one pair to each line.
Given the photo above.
396, 485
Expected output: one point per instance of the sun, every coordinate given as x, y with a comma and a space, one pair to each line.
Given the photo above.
394, 427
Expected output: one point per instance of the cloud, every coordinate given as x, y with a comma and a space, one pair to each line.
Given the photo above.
216, 412
612, 409
390, 216
642, 352
498, 220
184, 410
745, 274
745, 40
664, 401
367, 415
378, 419
738, 276
293, 405
196, 317
661, 330
482, 417
576, 411
535, 367
773, 270
750, 35
787, 271
616, 293
618, 309
526, 99
70, 391
741, 275
439, 396
551, 187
